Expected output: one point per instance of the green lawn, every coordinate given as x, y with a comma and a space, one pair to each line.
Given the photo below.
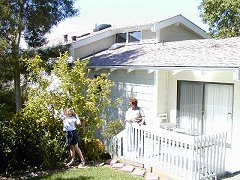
98, 173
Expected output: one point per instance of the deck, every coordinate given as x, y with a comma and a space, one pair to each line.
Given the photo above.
185, 156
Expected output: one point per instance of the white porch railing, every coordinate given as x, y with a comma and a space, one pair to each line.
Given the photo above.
185, 156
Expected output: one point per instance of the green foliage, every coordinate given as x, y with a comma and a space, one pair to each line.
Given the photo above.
7, 99
48, 54
53, 149
78, 91
30, 138
93, 149
74, 89
31, 20
222, 16
19, 17
112, 129
5, 134
34, 137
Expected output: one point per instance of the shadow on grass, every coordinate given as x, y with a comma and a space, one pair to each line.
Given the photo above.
235, 175
61, 174
62, 178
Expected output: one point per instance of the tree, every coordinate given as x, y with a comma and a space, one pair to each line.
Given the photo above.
30, 19
89, 97
222, 16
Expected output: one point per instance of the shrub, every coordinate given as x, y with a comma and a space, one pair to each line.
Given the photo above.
5, 135
92, 149
35, 143
112, 128
34, 136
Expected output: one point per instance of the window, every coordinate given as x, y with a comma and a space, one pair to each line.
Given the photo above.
121, 38
134, 36
205, 107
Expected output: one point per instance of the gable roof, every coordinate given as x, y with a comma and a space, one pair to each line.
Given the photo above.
154, 25
206, 53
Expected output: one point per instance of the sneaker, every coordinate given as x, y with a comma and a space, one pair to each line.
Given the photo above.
70, 163
82, 164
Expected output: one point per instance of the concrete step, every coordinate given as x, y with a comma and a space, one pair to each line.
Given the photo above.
130, 162
118, 165
128, 168
111, 161
151, 176
139, 172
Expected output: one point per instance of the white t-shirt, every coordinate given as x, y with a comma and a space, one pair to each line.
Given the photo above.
69, 123
135, 115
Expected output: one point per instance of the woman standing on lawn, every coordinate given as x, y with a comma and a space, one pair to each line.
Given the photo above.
69, 121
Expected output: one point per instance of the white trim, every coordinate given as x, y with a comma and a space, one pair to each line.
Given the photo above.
98, 68
174, 72
177, 24
130, 70
151, 71
179, 19
232, 69
127, 37
158, 36
113, 69
236, 74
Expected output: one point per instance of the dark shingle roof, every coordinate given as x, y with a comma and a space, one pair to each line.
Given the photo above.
224, 53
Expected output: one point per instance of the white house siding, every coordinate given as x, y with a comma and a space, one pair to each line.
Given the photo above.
177, 33
148, 35
94, 47
138, 84
232, 156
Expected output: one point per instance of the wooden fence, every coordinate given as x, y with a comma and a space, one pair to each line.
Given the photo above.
182, 155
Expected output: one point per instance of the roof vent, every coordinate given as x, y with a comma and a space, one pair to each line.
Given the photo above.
65, 37
116, 46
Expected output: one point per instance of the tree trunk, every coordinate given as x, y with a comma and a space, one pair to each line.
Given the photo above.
17, 87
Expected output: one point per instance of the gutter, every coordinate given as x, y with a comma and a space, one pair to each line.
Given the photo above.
201, 68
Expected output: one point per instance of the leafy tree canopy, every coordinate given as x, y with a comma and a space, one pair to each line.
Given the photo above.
30, 19
34, 18
222, 16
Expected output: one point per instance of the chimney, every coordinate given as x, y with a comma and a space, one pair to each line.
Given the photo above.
65, 37
74, 38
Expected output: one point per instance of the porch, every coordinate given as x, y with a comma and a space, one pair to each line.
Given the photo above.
182, 155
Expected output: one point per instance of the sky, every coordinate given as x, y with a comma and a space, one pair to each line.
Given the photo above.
115, 12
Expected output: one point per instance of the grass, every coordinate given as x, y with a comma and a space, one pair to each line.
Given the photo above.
98, 173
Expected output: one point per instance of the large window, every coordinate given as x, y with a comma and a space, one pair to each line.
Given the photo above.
134, 36
121, 38
204, 108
